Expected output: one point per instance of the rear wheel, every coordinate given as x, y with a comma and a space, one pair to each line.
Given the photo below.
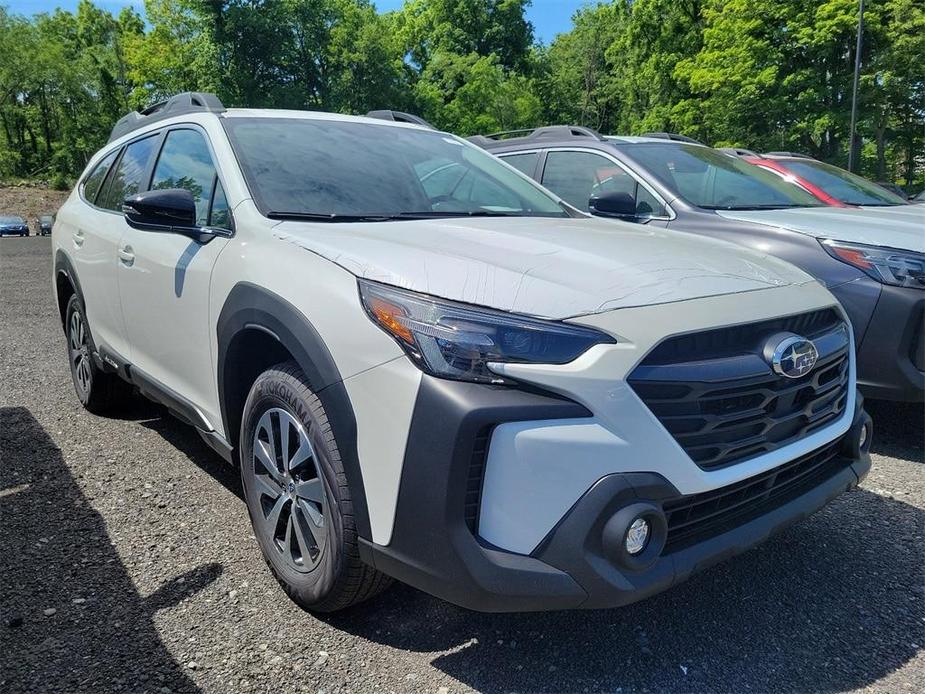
97, 390
297, 495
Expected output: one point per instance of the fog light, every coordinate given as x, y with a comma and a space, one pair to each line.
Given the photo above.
637, 536
862, 437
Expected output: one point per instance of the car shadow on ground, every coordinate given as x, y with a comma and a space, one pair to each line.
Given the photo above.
896, 424
184, 438
831, 604
56, 555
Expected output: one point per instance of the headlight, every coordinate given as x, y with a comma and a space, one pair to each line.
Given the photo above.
458, 341
888, 265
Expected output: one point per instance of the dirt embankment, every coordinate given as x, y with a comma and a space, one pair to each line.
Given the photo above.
30, 201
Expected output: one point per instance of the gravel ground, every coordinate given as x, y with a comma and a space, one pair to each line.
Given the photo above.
127, 564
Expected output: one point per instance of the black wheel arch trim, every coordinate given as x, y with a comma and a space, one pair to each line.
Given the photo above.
250, 307
64, 266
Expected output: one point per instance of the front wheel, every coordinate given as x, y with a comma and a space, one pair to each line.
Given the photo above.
297, 495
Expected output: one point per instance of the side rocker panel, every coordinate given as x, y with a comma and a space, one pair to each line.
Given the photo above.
251, 307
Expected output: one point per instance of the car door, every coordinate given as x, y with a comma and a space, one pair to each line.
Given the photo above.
577, 175
95, 238
164, 277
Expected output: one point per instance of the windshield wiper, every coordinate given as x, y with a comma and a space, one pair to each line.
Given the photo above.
321, 217
438, 215
776, 206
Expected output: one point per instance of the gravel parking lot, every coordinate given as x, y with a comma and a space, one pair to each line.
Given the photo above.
127, 564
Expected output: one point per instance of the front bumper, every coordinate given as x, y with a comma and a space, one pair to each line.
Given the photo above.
435, 543
891, 357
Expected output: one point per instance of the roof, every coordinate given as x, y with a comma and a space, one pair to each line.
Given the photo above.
645, 139
188, 103
180, 104
785, 155
571, 134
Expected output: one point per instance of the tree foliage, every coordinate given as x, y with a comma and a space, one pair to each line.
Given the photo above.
765, 75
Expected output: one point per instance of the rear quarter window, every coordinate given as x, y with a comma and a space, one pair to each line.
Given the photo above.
93, 182
126, 180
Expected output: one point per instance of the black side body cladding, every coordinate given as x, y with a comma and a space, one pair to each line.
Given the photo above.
249, 307
891, 357
432, 547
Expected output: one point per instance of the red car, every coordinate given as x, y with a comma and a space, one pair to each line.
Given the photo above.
831, 184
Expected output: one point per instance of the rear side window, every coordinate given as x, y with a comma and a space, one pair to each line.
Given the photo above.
525, 163
94, 181
126, 179
185, 162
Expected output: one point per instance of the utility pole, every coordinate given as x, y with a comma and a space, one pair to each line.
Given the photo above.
854, 95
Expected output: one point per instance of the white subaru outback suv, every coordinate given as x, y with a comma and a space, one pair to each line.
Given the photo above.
429, 368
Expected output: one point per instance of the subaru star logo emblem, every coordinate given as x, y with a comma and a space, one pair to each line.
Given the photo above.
793, 356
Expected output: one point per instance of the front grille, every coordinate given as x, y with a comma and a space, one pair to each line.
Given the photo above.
474, 478
720, 400
695, 518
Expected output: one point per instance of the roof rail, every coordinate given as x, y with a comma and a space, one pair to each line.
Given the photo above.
185, 102
547, 132
798, 155
739, 152
399, 117
672, 136
554, 132
480, 140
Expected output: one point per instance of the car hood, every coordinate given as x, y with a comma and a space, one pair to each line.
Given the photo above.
902, 226
554, 268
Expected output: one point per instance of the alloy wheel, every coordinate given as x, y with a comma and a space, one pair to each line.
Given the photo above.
290, 494
80, 355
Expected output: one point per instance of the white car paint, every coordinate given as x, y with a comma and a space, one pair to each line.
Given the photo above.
902, 226
553, 268
636, 283
532, 474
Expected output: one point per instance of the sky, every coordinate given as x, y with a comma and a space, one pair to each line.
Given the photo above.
549, 17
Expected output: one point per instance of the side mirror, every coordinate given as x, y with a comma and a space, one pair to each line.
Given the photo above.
613, 205
171, 210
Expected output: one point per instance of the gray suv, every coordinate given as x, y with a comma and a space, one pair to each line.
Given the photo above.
872, 260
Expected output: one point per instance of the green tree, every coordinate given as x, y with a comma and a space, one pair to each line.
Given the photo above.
661, 34
463, 27
578, 82
473, 94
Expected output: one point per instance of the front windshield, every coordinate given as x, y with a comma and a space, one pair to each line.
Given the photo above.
843, 185
712, 180
349, 170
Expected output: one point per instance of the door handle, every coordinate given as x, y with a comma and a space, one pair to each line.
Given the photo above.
126, 255
78, 237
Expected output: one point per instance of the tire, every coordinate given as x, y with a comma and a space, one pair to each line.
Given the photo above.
99, 392
298, 499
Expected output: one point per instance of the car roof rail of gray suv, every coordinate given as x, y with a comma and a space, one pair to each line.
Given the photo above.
740, 152
399, 117
796, 155
546, 132
177, 105
675, 137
